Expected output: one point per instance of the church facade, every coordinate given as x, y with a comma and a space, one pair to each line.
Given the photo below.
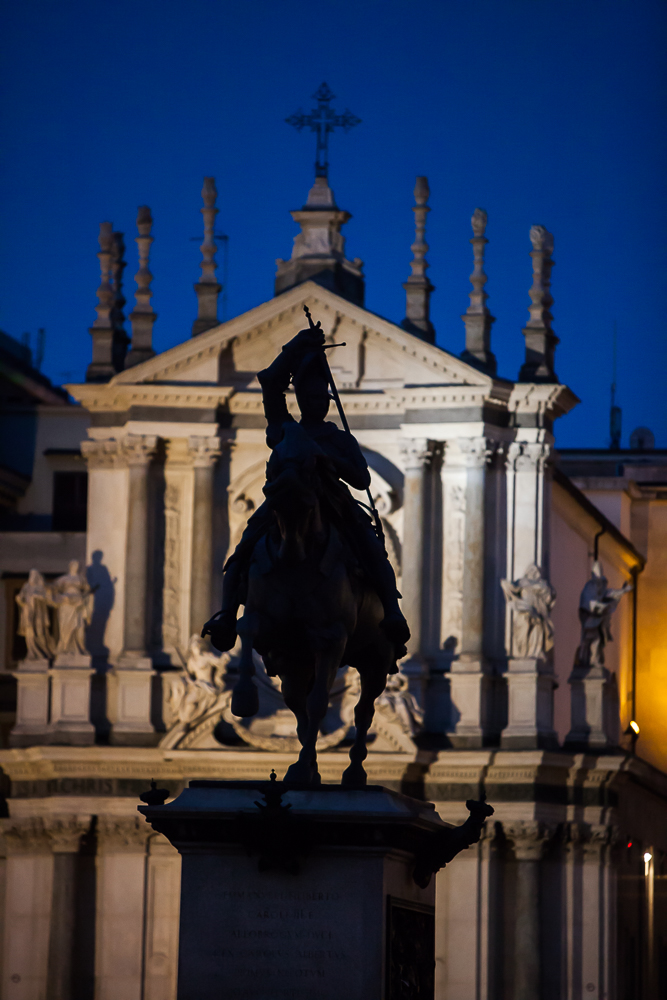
499, 696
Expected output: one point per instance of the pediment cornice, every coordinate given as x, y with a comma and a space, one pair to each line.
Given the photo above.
174, 363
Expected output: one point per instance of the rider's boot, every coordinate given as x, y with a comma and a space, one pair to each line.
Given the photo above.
222, 626
394, 625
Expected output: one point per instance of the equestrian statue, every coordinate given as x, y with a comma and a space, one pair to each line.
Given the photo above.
311, 569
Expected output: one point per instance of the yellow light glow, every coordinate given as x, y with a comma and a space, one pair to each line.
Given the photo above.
647, 858
634, 727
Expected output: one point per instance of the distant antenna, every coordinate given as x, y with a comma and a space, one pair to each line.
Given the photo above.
615, 415
39, 350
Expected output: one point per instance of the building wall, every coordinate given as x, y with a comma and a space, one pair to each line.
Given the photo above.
61, 428
652, 642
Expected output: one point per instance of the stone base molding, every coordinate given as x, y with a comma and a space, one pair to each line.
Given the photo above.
129, 687
530, 715
470, 687
70, 701
32, 704
593, 714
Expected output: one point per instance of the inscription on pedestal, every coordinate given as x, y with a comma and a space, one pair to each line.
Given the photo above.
279, 940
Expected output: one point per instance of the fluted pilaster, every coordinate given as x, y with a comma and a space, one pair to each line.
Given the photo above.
204, 452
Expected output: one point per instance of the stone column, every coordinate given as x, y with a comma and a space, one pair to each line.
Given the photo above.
590, 910
163, 898
32, 704
64, 834
528, 839
129, 683
464, 484
138, 450
416, 455
462, 935
528, 503
204, 452
121, 887
28, 898
530, 680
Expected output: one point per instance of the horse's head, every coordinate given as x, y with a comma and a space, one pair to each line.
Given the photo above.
292, 490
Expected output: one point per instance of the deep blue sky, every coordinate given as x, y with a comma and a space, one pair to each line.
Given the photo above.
539, 111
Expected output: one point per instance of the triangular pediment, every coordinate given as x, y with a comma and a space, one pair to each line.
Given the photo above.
378, 355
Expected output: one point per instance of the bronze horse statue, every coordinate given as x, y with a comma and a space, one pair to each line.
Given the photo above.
309, 609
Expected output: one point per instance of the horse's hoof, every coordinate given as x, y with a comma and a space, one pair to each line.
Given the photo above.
245, 700
300, 773
354, 777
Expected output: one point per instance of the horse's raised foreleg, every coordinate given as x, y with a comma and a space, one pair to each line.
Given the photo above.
245, 699
372, 686
304, 770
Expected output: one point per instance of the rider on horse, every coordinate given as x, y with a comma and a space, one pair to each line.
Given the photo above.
302, 362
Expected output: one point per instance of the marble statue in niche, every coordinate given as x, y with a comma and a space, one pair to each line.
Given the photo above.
396, 700
197, 690
596, 606
33, 600
72, 597
531, 599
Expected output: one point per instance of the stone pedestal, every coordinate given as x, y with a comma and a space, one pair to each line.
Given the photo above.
129, 687
592, 709
32, 704
308, 895
530, 716
70, 700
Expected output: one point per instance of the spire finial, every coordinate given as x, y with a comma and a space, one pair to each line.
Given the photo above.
207, 288
101, 368
418, 288
142, 316
120, 337
540, 339
477, 318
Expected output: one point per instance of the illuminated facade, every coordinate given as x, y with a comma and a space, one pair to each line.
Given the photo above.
552, 902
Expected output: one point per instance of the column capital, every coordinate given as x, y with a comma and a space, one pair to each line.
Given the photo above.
25, 835
122, 834
528, 838
138, 449
528, 456
204, 451
590, 838
416, 453
65, 831
103, 454
470, 453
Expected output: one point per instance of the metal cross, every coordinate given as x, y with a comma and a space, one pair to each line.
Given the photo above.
323, 120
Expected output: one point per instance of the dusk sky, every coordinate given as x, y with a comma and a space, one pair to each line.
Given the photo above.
539, 111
